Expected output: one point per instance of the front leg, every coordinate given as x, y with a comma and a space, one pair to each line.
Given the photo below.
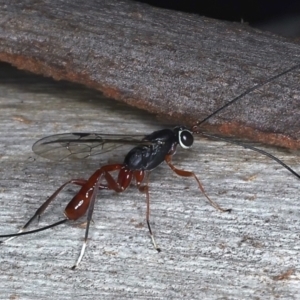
184, 173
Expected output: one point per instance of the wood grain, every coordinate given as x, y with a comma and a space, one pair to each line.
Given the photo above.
177, 65
205, 254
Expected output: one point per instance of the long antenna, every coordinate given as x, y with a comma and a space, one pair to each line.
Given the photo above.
33, 231
257, 86
254, 149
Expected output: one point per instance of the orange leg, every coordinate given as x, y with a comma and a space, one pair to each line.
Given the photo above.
139, 176
183, 173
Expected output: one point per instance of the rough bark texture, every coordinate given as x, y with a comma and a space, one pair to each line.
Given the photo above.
174, 64
251, 253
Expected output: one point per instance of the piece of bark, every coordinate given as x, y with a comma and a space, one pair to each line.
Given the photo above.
174, 64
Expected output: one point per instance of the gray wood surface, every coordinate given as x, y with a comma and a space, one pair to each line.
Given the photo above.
205, 254
181, 66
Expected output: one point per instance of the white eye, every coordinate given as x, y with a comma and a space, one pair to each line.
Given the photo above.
186, 138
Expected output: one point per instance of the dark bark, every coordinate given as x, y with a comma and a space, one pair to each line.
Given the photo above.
177, 65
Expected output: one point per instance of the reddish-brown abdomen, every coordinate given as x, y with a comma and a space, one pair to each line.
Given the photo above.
78, 206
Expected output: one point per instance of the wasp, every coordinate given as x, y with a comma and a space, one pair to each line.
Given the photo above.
147, 153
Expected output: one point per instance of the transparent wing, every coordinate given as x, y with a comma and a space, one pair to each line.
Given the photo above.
82, 145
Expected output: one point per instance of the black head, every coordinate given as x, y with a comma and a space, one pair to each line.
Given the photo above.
185, 137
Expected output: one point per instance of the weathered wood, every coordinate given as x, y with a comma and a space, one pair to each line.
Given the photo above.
205, 254
174, 64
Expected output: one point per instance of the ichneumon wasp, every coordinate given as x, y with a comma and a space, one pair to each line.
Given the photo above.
148, 152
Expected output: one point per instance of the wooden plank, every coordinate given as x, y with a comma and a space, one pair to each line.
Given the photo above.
178, 65
205, 254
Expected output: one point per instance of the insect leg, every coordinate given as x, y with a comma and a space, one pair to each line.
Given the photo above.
145, 189
85, 199
184, 173
89, 218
